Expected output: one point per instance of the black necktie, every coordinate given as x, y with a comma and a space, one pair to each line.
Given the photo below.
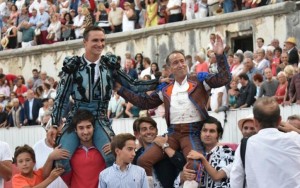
92, 65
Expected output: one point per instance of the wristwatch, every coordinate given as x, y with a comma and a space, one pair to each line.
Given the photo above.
164, 146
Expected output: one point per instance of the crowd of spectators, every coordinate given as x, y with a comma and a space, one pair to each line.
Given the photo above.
25, 23
273, 73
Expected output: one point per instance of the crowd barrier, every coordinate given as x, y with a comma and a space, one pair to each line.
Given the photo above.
31, 134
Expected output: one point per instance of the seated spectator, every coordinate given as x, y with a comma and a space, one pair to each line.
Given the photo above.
14, 14
132, 111
217, 161
202, 65
25, 161
54, 29
20, 90
129, 175
247, 92
276, 61
3, 117
154, 70
52, 9
43, 109
47, 91
212, 68
247, 127
269, 86
282, 87
218, 99
23, 17
258, 81
115, 106
283, 61
16, 116
129, 70
233, 93
249, 66
4, 88
292, 124
147, 67
139, 63
262, 63
238, 66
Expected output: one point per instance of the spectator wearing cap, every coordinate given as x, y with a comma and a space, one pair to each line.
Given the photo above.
246, 126
290, 46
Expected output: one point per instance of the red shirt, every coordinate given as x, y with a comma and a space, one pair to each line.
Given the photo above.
20, 91
86, 167
202, 67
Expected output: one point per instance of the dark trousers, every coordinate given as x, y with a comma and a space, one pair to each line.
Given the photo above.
175, 18
180, 136
31, 122
118, 28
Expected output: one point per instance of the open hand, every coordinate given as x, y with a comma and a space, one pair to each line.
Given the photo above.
218, 46
59, 153
56, 172
188, 174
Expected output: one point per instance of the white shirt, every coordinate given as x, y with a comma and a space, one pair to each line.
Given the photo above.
146, 71
182, 110
173, 3
30, 102
5, 155
78, 23
42, 152
97, 71
272, 160
214, 97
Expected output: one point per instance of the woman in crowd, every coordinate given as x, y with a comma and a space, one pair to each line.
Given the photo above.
139, 63
63, 6
14, 14
101, 17
88, 19
54, 29
128, 14
258, 80
67, 32
52, 9
282, 87
43, 109
289, 71
276, 60
17, 115
151, 14
237, 67
233, 93
11, 34
154, 69
48, 92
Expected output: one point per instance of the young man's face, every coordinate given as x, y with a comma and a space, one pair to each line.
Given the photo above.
147, 133
85, 131
95, 43
209, 134
127, 153
25, 163
248, 129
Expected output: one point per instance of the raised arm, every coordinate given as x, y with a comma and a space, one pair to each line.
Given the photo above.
223, 76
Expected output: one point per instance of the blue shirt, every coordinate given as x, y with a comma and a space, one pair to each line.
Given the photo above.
132, 177
44, 18
34, 21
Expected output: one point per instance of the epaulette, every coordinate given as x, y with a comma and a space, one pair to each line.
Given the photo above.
71, 64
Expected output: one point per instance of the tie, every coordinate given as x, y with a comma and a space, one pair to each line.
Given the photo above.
92, 65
